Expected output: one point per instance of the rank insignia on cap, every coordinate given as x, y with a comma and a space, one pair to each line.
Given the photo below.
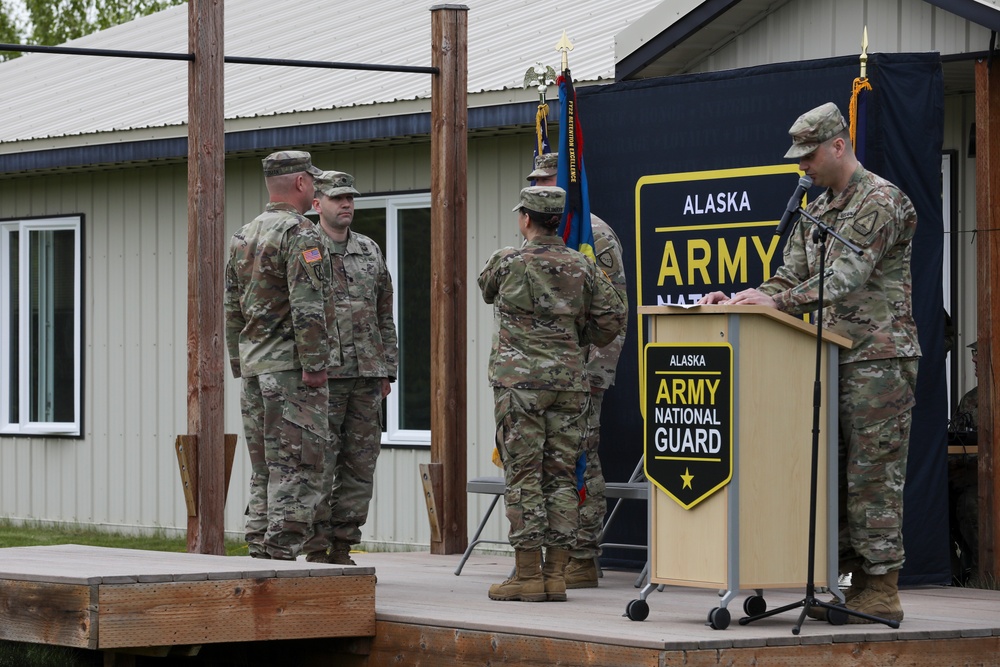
311, 256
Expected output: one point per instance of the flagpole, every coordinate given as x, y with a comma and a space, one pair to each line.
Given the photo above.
864, 53
861, 84
541, 77
564, 46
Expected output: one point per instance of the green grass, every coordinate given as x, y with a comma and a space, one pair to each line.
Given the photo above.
17, 654
27, 535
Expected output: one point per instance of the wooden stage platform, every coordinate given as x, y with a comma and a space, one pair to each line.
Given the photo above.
425, 615
104, 599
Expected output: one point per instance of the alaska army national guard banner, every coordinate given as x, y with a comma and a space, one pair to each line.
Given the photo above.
689, 419
710, 131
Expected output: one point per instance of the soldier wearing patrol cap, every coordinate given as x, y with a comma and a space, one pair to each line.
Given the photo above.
549, 302
358, 374
602, 363
814, 128
277, 286
868, 300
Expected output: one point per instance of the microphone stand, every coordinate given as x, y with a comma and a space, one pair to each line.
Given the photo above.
835, 614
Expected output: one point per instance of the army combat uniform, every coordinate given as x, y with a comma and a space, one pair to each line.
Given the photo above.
275, 294
868, 299
963, 483
602, 362
549, 303
361, 306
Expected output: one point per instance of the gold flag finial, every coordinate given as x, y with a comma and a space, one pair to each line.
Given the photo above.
564, 46
864, 54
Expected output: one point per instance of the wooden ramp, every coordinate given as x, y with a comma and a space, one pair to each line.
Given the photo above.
97, 598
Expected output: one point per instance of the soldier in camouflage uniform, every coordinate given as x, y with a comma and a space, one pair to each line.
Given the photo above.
868, 299
602, 363
550, 302
963, 480
966, 418
278, 342
360, 370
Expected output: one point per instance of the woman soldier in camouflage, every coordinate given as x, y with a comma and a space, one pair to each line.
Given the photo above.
550, 303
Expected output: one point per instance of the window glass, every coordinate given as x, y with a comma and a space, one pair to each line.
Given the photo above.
401, 226
414, 324
52, 312
41, 353
13, 328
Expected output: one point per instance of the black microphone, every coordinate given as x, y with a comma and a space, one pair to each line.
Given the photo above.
792, 209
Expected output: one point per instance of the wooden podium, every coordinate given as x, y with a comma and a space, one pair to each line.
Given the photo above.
752, 533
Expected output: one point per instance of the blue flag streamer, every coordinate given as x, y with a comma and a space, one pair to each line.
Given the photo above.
575, 225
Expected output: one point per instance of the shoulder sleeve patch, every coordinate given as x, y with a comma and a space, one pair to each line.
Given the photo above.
311, 255
606, 260
866, 223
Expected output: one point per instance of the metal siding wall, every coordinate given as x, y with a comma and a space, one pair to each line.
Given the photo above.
245, 199
497, 167
122, 473
811, 30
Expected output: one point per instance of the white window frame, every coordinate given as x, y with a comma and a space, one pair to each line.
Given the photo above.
394, 435
23, 426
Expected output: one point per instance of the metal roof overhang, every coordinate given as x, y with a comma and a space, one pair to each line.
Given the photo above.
695, 31
380, 128
986, 14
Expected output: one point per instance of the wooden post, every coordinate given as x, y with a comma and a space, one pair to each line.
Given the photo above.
988, 336
206, 237
449, 159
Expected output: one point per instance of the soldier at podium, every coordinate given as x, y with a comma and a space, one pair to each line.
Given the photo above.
866, 299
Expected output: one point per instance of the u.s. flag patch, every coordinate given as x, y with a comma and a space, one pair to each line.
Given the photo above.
311, 256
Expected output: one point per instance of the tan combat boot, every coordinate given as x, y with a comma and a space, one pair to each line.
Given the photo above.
527, 584
879, 598
859, 579
581, 573
340, 554
554, 573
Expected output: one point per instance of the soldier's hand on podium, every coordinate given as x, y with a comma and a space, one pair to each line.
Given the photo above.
713, 297
752, 297
748, 297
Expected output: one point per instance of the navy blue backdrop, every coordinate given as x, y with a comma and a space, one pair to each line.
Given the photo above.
739, 119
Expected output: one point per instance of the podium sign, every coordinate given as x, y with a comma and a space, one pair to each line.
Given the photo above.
689, 419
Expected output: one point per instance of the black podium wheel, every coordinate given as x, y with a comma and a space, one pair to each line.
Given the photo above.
637, 610
718, 618
836, 616
754, 605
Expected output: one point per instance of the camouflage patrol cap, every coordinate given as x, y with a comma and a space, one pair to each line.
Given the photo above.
813, 128
289, 162
546, 164
546, 199
335, 183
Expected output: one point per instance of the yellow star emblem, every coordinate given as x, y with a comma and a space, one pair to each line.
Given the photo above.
687, 477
